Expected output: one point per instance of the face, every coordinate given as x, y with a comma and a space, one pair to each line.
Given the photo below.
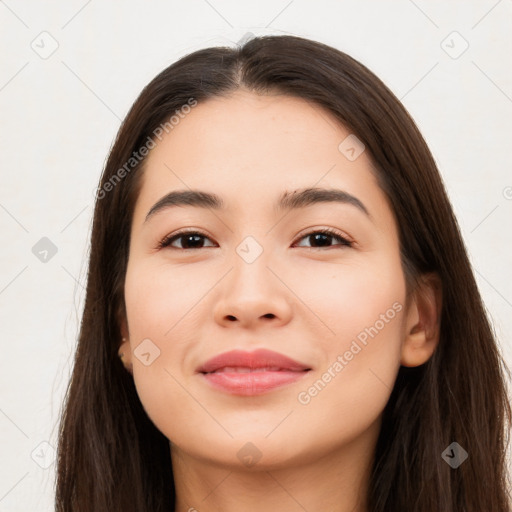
254, 276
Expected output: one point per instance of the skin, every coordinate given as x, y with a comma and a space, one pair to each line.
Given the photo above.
198, 303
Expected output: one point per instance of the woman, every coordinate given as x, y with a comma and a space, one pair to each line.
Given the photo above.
260, 372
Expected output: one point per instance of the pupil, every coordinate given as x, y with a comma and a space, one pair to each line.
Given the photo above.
189, 237
321, 236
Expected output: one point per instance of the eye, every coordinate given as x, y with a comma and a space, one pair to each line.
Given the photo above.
322, 237
194, 239
191, 239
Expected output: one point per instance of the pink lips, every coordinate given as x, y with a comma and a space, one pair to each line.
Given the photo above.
251, 373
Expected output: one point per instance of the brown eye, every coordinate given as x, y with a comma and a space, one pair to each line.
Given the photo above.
322, 237
190, 240
195, 240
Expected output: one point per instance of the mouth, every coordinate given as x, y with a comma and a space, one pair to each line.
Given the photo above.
259, 360
251, 373
252, 382
245, 369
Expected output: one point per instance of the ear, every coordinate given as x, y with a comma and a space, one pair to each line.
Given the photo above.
121, 320
124, 345
422, 321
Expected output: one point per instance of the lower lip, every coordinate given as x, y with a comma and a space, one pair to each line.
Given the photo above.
252, 383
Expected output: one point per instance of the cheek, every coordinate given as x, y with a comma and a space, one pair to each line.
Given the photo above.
158, 298
162, 322
364, 306
361, 307
344, 300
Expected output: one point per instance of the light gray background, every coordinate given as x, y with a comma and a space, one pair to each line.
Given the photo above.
60, 113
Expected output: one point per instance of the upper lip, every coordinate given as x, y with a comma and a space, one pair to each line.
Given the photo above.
260, 358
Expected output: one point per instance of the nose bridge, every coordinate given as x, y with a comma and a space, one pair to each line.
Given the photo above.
251, 290
250, 250
250, 263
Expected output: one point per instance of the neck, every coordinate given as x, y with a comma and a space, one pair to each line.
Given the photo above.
337, 482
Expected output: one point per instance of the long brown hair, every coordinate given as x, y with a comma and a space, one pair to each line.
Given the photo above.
112, 458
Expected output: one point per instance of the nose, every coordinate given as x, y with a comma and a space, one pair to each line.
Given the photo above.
253, 294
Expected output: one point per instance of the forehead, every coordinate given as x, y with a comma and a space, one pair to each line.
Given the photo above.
250, 148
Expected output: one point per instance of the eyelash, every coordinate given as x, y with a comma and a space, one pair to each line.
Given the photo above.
166, 241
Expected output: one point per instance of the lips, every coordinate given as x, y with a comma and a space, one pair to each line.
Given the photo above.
244, 362
251, 373
245, 369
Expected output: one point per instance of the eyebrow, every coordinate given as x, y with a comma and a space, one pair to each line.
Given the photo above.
287, 201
